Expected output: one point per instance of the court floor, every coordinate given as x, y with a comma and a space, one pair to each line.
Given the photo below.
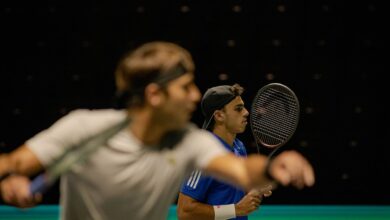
266, 212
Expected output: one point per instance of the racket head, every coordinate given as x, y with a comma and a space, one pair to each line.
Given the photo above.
274, 115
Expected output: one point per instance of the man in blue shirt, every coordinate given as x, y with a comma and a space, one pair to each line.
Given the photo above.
203, 197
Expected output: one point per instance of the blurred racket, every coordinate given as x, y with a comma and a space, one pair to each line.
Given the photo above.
79, 153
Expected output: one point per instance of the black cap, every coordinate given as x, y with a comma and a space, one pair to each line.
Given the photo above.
215, 98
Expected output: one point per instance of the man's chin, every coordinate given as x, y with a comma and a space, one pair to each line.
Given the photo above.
240, 131
178, 126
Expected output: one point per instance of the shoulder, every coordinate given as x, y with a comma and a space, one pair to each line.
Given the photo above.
239, 145
96, 115
192, 130
238, 142
197, 134
85, 120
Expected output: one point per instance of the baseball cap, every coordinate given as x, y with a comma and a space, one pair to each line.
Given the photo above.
215, 98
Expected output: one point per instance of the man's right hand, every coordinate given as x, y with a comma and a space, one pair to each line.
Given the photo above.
15, 190
249, 203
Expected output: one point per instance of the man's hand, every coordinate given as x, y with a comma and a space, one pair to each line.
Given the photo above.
266, 191
15, 190
291, 168
249, 203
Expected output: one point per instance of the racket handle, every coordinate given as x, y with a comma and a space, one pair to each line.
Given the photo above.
39, 185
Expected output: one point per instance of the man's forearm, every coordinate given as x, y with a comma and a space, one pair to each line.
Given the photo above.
256, 167
189, 208
21, 161
196, 211
4, 166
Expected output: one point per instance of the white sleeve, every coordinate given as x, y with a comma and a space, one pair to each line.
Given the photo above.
203, 147
62, 135
69, 131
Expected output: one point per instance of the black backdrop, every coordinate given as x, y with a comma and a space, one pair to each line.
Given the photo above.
58, 56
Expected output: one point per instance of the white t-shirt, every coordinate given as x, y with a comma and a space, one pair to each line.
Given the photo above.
123, 179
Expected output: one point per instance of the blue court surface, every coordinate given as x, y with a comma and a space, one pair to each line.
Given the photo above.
270, 212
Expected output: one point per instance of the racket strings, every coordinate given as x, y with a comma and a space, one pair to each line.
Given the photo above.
276, 95
274, 122
274, 115
282, 124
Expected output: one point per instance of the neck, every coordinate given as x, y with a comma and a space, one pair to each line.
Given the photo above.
144, 128
225, 135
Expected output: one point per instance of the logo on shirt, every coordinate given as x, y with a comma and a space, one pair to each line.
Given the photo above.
171, 159
194, 179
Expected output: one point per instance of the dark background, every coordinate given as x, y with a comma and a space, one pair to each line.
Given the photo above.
58, 56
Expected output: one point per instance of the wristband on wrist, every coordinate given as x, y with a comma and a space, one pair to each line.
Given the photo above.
223, 212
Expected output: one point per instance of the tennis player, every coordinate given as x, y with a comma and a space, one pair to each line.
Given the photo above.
138, 172
204, 197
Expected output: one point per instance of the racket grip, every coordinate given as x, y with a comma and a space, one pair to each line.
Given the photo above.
39, 185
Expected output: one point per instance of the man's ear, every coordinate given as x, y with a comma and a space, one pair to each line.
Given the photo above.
153, 94
219, 115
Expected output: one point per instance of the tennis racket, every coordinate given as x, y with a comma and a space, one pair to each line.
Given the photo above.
79, 153
274, 117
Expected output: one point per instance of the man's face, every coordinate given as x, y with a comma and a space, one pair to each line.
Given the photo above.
180, 102
236, 115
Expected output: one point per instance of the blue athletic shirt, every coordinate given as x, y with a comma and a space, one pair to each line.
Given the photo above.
210, 191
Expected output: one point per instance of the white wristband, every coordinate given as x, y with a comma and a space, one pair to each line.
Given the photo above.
223, 212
